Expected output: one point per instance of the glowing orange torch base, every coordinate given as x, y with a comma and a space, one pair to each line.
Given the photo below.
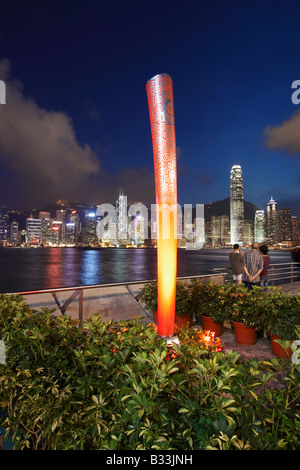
166, 273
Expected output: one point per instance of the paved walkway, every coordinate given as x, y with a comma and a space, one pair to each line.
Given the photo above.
261, 350
292, 288
114, 302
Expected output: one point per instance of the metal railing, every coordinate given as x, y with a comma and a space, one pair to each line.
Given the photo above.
78, 291
276, 273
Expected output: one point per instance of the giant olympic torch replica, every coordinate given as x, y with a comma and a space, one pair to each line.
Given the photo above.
161, 110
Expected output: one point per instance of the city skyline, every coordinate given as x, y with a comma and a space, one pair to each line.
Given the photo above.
76, 126
106, 224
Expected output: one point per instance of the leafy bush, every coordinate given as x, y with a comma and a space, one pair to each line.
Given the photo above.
274, 311
149, 295
184, 306
283, 314
117, 386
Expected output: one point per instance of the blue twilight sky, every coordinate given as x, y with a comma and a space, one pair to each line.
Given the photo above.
76, 124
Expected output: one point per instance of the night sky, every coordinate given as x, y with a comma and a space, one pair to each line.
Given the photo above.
76, 124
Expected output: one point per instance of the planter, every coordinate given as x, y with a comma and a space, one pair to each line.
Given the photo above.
245, 335
209, 324
182, 321
278, 350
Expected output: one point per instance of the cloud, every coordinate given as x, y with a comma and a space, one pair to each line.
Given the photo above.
42, 161
136, 183
285, 136
39, 147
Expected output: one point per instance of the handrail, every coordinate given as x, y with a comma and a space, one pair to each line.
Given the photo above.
113, 284
79, 290
277, 272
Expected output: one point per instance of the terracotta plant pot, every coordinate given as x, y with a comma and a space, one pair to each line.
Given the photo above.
155, 315
278, 350
209, 324
245, 335
183, 321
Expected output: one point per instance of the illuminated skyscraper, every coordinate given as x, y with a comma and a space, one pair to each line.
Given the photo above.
259, 226
271, 220
284, 228
122, 218
61, 215
57, 232
14, 232
248, 232
89, 229
33, 231
219, 229
4, 223
295, 229
72, 228
236, 205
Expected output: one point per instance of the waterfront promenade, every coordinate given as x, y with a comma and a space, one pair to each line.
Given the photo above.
122, 303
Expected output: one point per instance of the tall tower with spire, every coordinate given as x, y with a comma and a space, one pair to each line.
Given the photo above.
236, 205
122, 217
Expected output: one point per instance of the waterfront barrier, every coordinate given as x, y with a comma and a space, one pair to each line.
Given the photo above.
279, 273
121, 300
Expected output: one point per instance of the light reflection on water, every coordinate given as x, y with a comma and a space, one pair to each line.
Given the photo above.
45, 268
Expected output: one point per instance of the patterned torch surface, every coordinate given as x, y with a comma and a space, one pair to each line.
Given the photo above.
161, 110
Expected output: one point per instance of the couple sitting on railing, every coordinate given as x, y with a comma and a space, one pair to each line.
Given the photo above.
250, 268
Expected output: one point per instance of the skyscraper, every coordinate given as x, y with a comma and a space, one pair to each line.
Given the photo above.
259, 226
284, 228
33, 231
219, 229
295, 229
236, 205
4, 223
122, 218
89, 229
14, 232
271, 220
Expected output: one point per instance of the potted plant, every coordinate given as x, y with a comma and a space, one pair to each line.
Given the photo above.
183, 309
245, 314
209, 303
283, 319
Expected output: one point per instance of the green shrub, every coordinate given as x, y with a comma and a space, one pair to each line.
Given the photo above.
184, 306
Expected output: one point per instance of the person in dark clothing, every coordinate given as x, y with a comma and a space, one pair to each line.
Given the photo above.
236, 258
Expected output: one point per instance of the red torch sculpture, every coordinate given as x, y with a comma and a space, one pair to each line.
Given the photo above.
161, 110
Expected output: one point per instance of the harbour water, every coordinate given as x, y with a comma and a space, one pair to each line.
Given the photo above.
27, 269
